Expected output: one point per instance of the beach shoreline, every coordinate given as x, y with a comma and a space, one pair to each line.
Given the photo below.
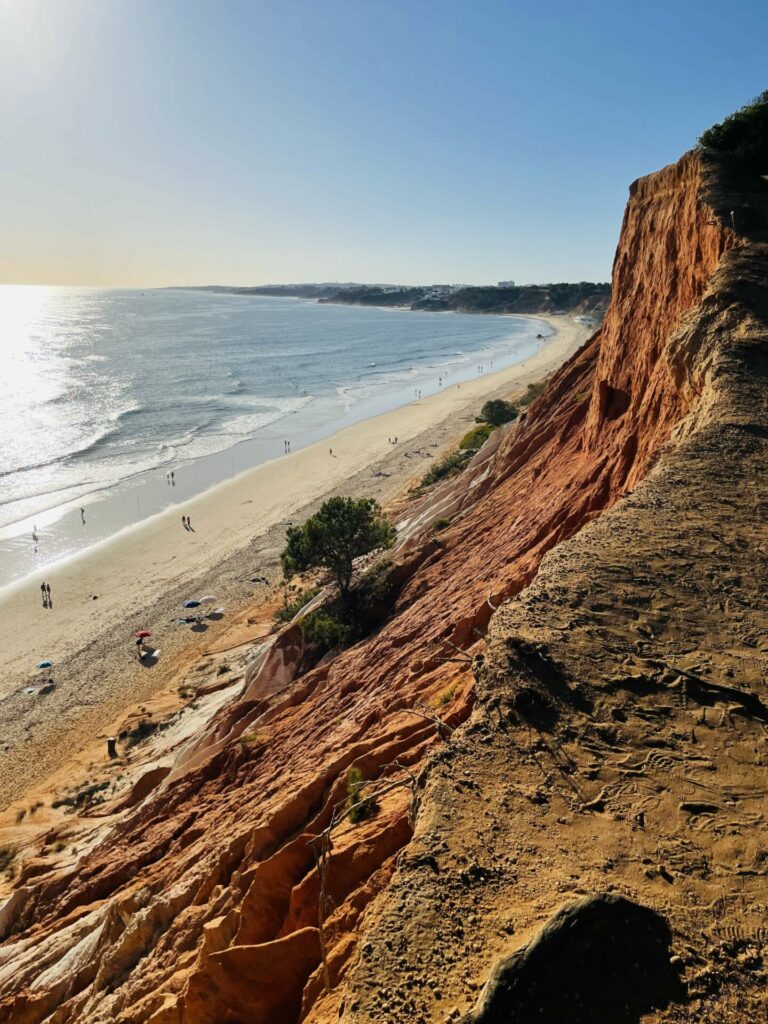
139, 578
220, 448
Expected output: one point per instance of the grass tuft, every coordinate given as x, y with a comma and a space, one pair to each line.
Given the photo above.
359, 807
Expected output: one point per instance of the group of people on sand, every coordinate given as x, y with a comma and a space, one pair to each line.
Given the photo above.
186, 523
45, 590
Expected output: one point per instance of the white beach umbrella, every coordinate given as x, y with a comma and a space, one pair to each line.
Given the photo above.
208, 599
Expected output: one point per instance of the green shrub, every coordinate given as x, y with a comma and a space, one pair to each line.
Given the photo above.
474, 440
744, 134
496, 412
446, 467
324, 631
358, 807
446, 696
375, 585
441, 523
533, 392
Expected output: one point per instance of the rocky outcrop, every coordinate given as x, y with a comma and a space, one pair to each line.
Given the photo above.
218, 897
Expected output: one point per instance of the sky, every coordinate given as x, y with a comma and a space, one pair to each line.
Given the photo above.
157, 142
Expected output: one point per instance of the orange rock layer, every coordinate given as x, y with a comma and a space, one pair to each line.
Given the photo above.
203, 905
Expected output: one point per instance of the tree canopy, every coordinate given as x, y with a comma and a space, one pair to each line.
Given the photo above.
342, 530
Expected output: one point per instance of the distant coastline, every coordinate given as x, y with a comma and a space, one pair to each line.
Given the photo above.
587, 298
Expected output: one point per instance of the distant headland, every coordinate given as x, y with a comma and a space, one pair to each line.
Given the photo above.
583, 297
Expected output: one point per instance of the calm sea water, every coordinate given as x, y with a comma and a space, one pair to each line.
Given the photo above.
98, 388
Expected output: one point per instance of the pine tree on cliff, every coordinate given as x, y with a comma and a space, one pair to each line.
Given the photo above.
342, 530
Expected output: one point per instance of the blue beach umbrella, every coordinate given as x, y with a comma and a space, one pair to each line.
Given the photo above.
191, 604
45, 664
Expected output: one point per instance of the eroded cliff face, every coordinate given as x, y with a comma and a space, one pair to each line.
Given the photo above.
204, 903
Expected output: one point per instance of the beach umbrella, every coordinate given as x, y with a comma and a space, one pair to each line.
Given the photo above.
140, 634
191, 603
45, 664
208, 599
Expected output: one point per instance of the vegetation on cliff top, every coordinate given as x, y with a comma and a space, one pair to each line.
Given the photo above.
561, 297
547, 298
744, 134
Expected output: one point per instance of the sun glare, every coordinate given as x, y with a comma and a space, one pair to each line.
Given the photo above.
21, 309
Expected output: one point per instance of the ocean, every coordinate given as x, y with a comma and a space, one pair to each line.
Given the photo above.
105, 391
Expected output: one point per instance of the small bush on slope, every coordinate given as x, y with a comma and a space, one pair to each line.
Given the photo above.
497, 412
474, 440
446, 467
359, 807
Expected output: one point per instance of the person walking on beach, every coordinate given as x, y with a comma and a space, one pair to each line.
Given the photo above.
48, 594
189, 524
184, 522
44, 595
82, 516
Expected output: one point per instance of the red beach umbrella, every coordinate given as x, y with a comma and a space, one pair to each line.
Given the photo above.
141, 633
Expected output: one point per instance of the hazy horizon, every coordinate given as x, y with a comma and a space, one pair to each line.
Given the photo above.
188, 143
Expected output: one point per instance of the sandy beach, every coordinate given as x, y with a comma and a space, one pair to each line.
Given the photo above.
139, 578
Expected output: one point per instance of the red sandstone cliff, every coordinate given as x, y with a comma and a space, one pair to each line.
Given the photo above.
202, 904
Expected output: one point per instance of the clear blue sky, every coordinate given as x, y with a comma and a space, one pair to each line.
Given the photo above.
149, 142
